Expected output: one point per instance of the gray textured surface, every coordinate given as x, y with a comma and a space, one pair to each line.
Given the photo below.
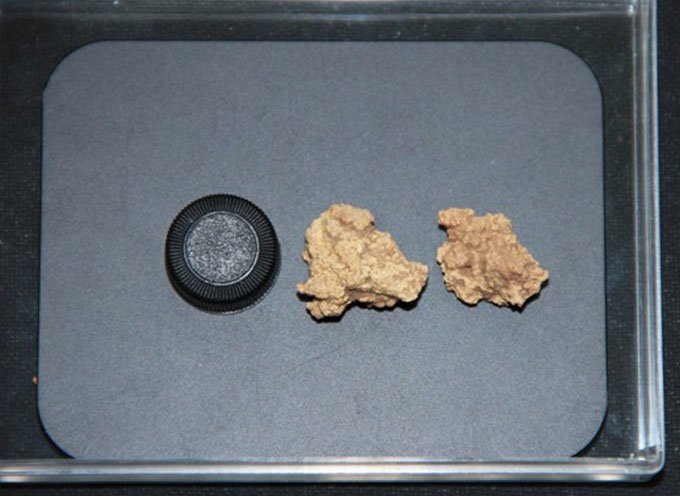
136, 131
221, 248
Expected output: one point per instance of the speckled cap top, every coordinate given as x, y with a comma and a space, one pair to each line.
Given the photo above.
222, 253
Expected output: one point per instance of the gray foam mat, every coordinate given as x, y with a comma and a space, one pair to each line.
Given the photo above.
134, 131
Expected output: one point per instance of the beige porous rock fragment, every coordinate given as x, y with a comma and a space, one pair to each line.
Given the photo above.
483, 259
350, 260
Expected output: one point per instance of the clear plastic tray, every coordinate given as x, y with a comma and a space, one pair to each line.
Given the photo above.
616, 38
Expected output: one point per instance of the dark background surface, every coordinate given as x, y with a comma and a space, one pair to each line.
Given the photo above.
666, 483
271, 382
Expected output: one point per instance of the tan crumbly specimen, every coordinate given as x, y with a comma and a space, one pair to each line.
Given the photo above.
350, 260
483, 259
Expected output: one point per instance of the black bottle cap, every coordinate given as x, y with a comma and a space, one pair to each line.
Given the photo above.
222, 254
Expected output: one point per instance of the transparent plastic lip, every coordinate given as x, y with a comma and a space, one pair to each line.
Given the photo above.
643, 463
345, 470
